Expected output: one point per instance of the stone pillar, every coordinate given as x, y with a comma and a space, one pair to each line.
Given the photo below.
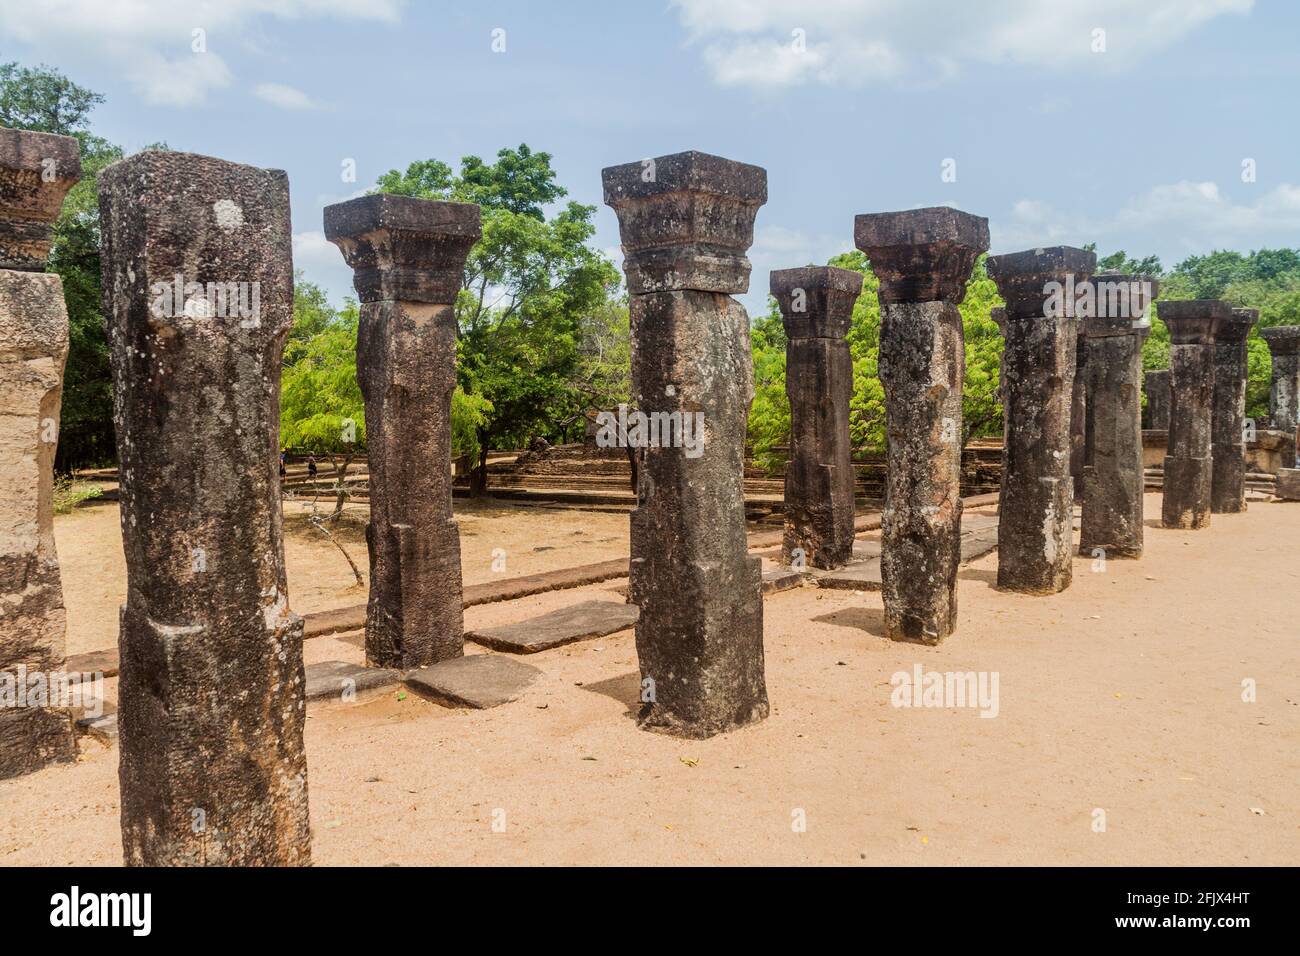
1155, 384
1284, 399
1035, 507
1079, 416
816, 307
1113, 482
686, 222
1228, 413
408, 256
1189, 463
923, 258
198, 295
36, 171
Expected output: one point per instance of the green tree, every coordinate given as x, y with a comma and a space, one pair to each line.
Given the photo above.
528, 287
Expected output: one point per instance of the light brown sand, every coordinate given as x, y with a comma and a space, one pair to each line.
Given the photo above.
1123, 694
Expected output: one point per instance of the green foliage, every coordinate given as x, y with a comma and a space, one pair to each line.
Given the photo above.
769, 417
69, 493
535, 297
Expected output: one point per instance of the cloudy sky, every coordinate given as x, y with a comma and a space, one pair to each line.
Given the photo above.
1129, 123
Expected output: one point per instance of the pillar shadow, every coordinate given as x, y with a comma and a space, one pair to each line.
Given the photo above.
989, 577
626, 689
869, 619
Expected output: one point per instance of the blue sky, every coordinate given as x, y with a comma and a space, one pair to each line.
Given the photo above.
851, 106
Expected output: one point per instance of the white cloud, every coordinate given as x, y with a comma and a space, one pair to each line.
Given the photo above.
152, 43
322, 263
772, 43
285, 97
1172, 220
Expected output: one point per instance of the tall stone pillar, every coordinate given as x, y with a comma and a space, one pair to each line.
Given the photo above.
1079, 416
1155, 384
686, 222
1189, 464
1228, 413
1284, 398
1035, 510
198, 294
1113, 481
923, 258
816, 308
36, 172
408, 256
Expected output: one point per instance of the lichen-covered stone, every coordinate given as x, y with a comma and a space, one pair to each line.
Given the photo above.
36, 172
816, 305
33, 622
1228, 414
923, 258
686, 223
1284, 397
1113, 480
1189, 464
408, 256
211, 705
1035, 539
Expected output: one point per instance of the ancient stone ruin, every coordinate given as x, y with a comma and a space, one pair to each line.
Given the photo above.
816, 305
36, 171
1189, 464
1079, 415
210, 691
407, 256
1284, 402
686, 222
1111, 523
922, 258
1155, 384
1228, 413
1035, 540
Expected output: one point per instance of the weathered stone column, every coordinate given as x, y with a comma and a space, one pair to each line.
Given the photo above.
408, 255
1228, 413
1079, 416
923, 258
1189, 464
686, 221
1113, 482
36, 172
816, 307
1035, 509
1284, 398
198, 294
1155, 384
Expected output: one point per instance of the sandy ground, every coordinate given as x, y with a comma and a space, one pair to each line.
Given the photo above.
1122, 694
528, 538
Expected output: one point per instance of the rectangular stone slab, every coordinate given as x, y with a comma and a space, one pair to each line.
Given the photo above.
334, 679
477, 681
577, 622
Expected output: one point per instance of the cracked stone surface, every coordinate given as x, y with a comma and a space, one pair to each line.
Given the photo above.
33, 351
342, 681
923, 258
407, 256
208, 775
686, 222
816, 305
1035, 540
1189, 464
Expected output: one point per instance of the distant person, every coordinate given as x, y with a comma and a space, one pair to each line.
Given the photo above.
282, 460
311, 466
